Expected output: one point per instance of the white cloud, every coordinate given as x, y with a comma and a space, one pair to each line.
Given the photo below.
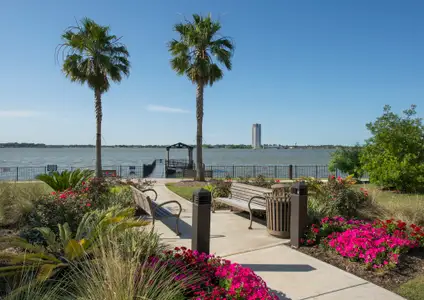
18, 113
166, 109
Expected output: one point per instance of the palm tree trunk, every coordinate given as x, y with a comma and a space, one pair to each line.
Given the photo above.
199, 135
99, 115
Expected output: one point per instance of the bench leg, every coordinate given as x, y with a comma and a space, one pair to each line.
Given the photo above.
153, 224
177, 228
251, 219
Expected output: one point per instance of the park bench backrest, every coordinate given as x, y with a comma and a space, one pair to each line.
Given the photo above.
142, 200
245, 192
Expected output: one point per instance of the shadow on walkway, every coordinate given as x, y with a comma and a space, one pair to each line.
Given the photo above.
280, 295
185, 228
279, 268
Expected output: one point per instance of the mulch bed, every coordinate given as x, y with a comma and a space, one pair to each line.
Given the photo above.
410, 266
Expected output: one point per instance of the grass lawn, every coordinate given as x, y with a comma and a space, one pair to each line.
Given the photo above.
413, 289
385, 197
185, 191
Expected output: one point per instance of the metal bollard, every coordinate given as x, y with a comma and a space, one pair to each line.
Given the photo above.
201, 229
299, 212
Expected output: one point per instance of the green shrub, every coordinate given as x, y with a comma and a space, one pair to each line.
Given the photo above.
394, 155
260, 181
66, 180
336, 197
65, 249
119, 257
219, 188
69, 206
347, 161
122, 270
17, 200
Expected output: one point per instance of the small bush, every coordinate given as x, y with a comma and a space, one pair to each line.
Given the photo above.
122, 271
217, 278
17, 200
66, 180
336, 197
60, 251
112, 275
378, 244
347, 161
259, 181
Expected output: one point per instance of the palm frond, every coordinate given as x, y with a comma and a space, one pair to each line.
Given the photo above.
49, 236
92, 55
66, 179
198, 45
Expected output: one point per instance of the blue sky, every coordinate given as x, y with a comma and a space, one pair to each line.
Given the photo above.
311, 72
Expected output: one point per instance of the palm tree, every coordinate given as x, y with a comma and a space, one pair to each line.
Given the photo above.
193, 55
93, 56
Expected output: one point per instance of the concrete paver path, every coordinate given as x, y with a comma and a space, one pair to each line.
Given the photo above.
290, 273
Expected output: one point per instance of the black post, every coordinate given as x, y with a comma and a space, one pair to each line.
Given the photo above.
299, 212
291, 172
201, 229
17, 173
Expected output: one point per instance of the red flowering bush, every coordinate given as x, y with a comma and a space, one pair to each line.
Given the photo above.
208, 278
68, 206
377, 244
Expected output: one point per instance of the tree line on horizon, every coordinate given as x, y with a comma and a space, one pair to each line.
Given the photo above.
207, 146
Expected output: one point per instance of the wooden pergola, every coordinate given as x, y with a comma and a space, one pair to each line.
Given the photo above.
182, 146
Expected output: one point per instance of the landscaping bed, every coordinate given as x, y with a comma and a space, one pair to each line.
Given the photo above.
346, 231
388, 253
81, 239
410, 266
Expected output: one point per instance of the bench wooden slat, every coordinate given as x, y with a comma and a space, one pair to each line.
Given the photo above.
153, 209
240, 204
241, 195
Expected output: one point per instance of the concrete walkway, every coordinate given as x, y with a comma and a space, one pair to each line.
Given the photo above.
291, 274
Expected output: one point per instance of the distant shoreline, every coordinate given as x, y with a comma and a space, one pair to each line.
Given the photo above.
163, 147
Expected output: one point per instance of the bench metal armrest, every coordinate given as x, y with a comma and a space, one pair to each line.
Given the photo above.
250, 209
254, 197
171, 201
176, 215
151, 190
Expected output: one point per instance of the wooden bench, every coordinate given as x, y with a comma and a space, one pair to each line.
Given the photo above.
153, 209
244, 197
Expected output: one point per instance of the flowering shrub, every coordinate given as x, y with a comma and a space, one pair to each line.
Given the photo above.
337, 196
373, 246
377, 244
68, 206
213, 277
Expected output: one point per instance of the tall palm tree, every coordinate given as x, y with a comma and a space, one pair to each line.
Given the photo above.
193, 54
94, 56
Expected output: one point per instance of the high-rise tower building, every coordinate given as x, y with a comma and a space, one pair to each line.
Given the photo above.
256, 136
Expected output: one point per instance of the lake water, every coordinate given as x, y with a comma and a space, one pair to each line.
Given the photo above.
84, 157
